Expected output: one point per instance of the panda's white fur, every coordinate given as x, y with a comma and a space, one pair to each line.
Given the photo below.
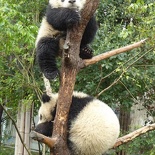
96, 125
92, 131
46, 30
78, 4
46, 108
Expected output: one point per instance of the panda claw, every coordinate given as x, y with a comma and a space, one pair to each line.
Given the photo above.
51, 75
86, 52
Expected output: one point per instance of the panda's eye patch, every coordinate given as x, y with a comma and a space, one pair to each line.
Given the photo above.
41, 117
62, 0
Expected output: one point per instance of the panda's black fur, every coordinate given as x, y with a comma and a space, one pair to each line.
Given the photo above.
92, 125
58, 18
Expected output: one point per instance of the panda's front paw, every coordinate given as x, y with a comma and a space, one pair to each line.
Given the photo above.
86, 52
73, 19
51, 75
44, 128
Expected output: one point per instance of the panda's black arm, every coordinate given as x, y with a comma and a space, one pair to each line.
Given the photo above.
89, 32
62, 18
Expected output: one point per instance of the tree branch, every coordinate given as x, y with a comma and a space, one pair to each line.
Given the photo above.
108, 54
123, 72
127, 138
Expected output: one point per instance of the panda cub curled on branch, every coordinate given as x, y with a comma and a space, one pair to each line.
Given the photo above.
61, 15
92, 127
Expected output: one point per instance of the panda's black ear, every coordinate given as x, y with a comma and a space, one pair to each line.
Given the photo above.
45, 98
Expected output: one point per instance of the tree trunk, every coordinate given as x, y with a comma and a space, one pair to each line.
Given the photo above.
71, 63
66, 90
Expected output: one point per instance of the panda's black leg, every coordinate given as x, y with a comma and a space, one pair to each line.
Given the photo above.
86, 52
47, 50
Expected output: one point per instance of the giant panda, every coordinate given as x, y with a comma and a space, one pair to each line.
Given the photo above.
93, 127
61, 15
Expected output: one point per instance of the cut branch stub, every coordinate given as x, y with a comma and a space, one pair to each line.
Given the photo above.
41, 138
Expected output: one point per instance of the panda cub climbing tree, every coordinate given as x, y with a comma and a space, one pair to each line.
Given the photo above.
92, 127
60, 16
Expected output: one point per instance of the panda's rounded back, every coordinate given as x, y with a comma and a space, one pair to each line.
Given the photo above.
93, 126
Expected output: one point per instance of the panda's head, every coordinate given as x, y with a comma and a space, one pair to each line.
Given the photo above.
47, 109
73, 4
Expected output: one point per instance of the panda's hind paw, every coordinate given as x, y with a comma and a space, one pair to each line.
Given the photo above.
86, 52
51, 75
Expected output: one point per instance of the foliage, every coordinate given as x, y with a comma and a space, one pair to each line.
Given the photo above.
121, 22
18, 31
4, 151
10, 151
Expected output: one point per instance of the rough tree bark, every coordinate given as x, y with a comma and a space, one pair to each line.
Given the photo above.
69, 69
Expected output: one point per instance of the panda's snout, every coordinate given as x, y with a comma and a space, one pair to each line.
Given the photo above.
72, 1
